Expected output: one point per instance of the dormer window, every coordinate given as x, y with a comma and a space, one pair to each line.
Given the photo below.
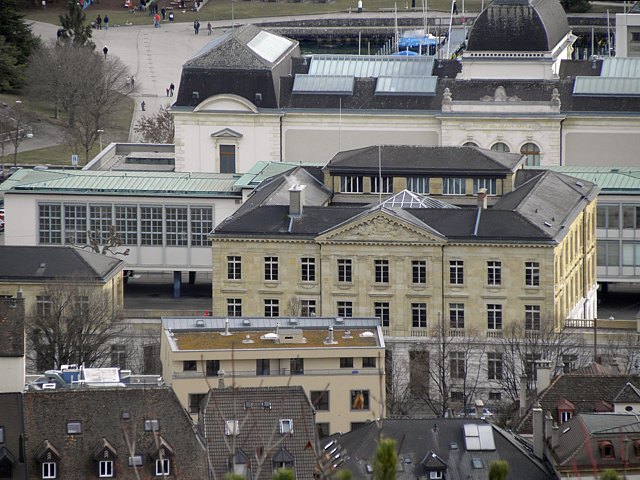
48, 457
286, 426
162, 467
606, 449
74, 428
566, 410
565, 416
435, 475
105, 468
49, 470
231, 427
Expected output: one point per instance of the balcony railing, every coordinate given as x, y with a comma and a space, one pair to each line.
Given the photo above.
419, 332
494, 333
283, 372
456, 332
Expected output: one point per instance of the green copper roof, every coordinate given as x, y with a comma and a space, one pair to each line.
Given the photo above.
122, 183
609, 179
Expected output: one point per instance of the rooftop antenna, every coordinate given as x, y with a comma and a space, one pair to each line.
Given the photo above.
226, 332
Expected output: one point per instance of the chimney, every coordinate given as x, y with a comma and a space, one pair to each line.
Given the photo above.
543, 371
482, 198
548, 422
220, 378
296, 200
523, 394
538, 434
555, 436
19, 293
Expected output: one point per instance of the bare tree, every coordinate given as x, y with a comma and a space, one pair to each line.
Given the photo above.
157, 128
87, 87
102, 244
72, 324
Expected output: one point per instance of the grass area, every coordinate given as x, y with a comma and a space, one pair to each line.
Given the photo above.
61, 154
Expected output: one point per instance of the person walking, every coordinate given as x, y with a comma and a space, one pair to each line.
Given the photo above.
209, 29
454, 8
106, 22
164, 13
105, 50
172, 87
99, 22
157, 20
142, 105
196, 26
359, 6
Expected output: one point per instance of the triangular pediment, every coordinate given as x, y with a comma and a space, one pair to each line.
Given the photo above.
382, 226
226, 133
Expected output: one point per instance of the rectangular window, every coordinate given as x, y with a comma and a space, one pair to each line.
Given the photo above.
456, 315
608, 216
495, 396
234, 307
308, 269
491, 184
608, 253
359, 399
270, 269
381, 268
74, 428
162, 467
263, 366
635, 36
105, 469
351, 184
296, 366
212, 367
100, 221
50, 224
151, 425
457, 365
530, 369
127, 224
630, 254
49, 470
227, 159
308, 308
456, 272
346, 362
231, 427
382, 312
272, 307
345, 309
234, 267
454, 186
419, 315
286, 426
43, 306
151, 226
419, 272
189, 366
75, 224
345, 270
494, 366
494, 273
119, 356
418, 184
320, 400
195, 399
494, 316
532, 274
201, 226
368, 362
387, 184
569, 363
177, 226
532, 317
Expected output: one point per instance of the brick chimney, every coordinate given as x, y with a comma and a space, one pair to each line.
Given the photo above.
296, 200
482, 198
543, 372
538, 431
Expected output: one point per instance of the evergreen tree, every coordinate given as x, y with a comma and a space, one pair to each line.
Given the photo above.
17, 46
284, 474
385, 462
498, 470
73, 23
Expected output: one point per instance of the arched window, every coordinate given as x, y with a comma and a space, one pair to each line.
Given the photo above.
469, 144
532, 151
500, 147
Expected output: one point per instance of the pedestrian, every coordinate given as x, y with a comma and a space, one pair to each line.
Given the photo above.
168, 90
156, 20
106, 22
359, 6
196, 26
209, 29
171, 16
164, 13
60, 34
99, 22
44, 4
105, 50
172, 87
133, 82
142, 105
454, 8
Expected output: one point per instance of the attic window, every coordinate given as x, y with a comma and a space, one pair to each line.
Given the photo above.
74, 428
435, 475
151, 425
476, 463
231, 427
286, 426
606, 449
126, 415
135, 461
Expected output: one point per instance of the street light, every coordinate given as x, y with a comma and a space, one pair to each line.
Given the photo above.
100, 132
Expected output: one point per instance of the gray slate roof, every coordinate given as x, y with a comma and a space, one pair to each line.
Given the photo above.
42, 263
100, 412
12, 421
424, 160
259, 427
519, 26
415, 438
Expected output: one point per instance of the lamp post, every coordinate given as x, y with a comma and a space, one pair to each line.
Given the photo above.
16, 143
100, 132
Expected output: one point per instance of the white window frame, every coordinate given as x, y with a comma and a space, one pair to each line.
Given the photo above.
490, 184
234, 267
435, 475
105, 468
532, 274
532, 318
352, 184
49, 470
308, 269
494, 316
494, 273
419, 317
454, 186
345, 308
231, 428
271, 268
456, 272
418, 184
286, 426
271, 307
163, 467
387, 184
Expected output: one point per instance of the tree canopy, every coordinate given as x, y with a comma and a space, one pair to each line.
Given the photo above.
75, 27
17, 42
385, 462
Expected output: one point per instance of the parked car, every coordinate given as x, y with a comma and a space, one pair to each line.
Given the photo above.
471, 412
